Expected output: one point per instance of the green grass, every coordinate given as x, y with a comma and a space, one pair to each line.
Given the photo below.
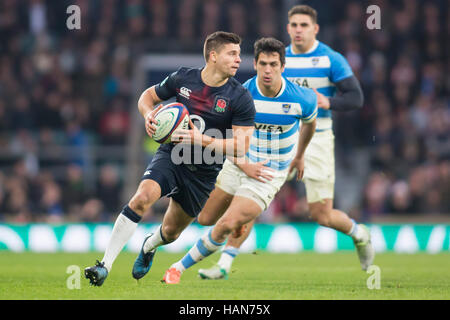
259, 276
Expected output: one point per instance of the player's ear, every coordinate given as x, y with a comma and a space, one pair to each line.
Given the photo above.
213, 56
316, 28
254, 64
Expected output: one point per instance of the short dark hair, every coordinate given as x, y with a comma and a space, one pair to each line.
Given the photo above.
270, 45
217, 39
303, 9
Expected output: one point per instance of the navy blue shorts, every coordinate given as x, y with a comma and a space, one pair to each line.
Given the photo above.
186, 185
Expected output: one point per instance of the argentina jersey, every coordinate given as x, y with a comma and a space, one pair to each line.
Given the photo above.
277, 122
319, 68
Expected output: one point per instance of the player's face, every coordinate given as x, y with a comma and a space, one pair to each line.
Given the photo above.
269, 70
228, 59
302, 31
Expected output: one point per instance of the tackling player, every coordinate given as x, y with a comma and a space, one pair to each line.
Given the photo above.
277, 143
219, 102
311, 63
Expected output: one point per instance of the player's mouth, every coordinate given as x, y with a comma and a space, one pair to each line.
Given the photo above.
267, 79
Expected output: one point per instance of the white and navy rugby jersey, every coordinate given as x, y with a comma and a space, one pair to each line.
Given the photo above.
318, 68
277, 122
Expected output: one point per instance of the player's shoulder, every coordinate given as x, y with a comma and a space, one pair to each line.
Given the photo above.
233, 83
237, 89
187, 72
324, 49
295, 89
305, 94
250, 83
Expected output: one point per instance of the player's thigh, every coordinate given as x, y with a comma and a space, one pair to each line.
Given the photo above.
175, 220
262, 193
317, 191
319, 158
218, 202
147, 193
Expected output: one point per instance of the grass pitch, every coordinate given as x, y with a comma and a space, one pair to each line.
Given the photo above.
261, 276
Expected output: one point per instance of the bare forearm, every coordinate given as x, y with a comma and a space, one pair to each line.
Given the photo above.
305, 136
233, 148
147, 101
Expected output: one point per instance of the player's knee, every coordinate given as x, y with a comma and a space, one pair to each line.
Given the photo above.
321, 216
205, 221
224, 225
228, 225
324, 221
141, 201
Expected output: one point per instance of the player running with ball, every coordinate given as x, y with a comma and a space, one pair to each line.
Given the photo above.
220, 103
311, 63
277, 147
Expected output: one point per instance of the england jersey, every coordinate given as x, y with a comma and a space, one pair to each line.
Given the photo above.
318, 68
216, 109
277, 122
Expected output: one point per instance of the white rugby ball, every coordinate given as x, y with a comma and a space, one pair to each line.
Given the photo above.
169, 118
292, 175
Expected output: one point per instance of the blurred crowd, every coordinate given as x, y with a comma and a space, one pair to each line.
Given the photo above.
70, 91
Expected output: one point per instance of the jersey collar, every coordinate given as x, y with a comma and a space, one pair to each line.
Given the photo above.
314, 47
283, 86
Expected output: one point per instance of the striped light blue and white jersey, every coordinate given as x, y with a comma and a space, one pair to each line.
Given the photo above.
319, 68
277, 122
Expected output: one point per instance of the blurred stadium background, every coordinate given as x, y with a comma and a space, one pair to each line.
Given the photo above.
73, 146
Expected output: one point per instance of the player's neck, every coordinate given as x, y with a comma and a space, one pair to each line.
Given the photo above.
212, 77
303, 49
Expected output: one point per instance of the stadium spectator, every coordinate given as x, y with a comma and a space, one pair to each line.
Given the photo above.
108, 189
114, 123
74, 191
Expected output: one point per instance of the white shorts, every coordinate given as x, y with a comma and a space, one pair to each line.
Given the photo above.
234, 181
319, 175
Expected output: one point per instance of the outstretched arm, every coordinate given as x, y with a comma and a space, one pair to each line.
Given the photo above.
306, 133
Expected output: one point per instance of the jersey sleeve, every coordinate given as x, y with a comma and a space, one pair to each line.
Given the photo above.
244, 110
167, 88
246, 84
309, 106
340, 69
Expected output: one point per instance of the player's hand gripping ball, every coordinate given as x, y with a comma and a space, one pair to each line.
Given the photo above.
170, 118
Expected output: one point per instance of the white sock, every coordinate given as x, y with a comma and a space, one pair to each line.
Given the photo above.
356, 232
203, 248
227, 257
154, 241
122, 232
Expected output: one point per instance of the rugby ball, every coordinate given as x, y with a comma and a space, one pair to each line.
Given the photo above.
171, 117
292, 175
